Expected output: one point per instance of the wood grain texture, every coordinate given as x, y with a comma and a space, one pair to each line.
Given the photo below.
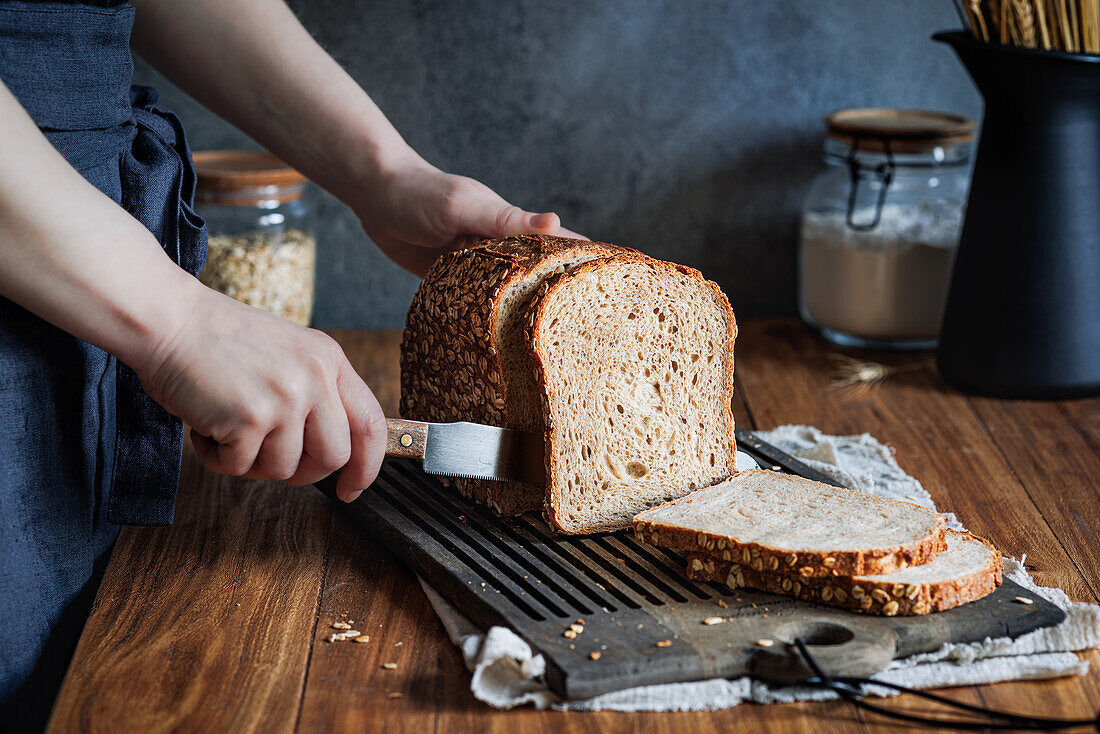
204, 625
406, 439
167, 647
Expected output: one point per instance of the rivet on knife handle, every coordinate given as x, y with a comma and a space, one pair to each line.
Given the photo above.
406, 439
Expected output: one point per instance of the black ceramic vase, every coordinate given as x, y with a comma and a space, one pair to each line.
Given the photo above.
1023, 311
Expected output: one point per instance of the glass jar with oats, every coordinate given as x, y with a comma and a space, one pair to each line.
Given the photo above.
881, 224
262, 249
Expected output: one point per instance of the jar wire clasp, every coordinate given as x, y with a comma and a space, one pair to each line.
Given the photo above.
857, 172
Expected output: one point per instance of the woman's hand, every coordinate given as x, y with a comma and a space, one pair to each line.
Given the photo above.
416, 212
266, 399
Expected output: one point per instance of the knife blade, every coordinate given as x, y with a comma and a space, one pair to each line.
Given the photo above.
468, 450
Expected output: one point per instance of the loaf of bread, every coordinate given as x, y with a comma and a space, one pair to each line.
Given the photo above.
464, 355
768, 521
967, 570
634, 358
623, 362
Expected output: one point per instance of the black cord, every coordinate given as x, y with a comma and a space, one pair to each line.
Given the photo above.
850, 689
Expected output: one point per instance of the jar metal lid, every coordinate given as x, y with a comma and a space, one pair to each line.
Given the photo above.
245, 178
878, 129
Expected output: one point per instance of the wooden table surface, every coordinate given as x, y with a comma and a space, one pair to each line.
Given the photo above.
218, 623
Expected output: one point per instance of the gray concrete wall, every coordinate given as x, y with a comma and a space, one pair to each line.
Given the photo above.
689, 130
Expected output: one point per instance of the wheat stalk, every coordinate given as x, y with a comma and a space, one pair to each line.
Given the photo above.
1090, 26
1086, 25
1057, 37
1063, 26
855, 378
1074, 25
974, 8
1044, 31
1025, 22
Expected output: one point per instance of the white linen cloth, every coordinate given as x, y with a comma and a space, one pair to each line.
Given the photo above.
505, 673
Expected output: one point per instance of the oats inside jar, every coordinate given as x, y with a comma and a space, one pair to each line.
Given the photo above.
269, 270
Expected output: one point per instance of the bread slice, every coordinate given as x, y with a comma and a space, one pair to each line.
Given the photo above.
767, 521
968, 569
463, 355
635, 360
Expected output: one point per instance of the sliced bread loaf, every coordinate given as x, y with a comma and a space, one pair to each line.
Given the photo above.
968, 569
767, 520
463, 355
635, 361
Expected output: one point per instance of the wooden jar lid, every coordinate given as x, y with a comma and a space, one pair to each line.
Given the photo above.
245, 178
904, 131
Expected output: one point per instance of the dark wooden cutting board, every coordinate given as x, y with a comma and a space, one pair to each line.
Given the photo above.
641, 615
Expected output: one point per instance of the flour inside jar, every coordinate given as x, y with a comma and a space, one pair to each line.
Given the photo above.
888, 283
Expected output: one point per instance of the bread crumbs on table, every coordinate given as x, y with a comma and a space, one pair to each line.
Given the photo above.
389, 666
664, 643
595, 655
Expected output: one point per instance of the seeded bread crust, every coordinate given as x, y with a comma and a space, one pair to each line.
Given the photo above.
864, 561
451, 366
862, 594
537, 310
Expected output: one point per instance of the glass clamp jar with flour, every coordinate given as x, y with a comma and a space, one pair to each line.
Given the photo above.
880, 226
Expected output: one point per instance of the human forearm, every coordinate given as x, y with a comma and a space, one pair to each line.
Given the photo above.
264, 397
75, 258
251, 62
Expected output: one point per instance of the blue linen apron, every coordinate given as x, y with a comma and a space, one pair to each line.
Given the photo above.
82, 448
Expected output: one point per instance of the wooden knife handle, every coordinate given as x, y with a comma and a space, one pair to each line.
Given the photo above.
406, 439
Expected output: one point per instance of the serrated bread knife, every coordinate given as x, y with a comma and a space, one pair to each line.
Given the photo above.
468, 450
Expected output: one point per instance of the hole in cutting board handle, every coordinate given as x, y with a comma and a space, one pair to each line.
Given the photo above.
817, 633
